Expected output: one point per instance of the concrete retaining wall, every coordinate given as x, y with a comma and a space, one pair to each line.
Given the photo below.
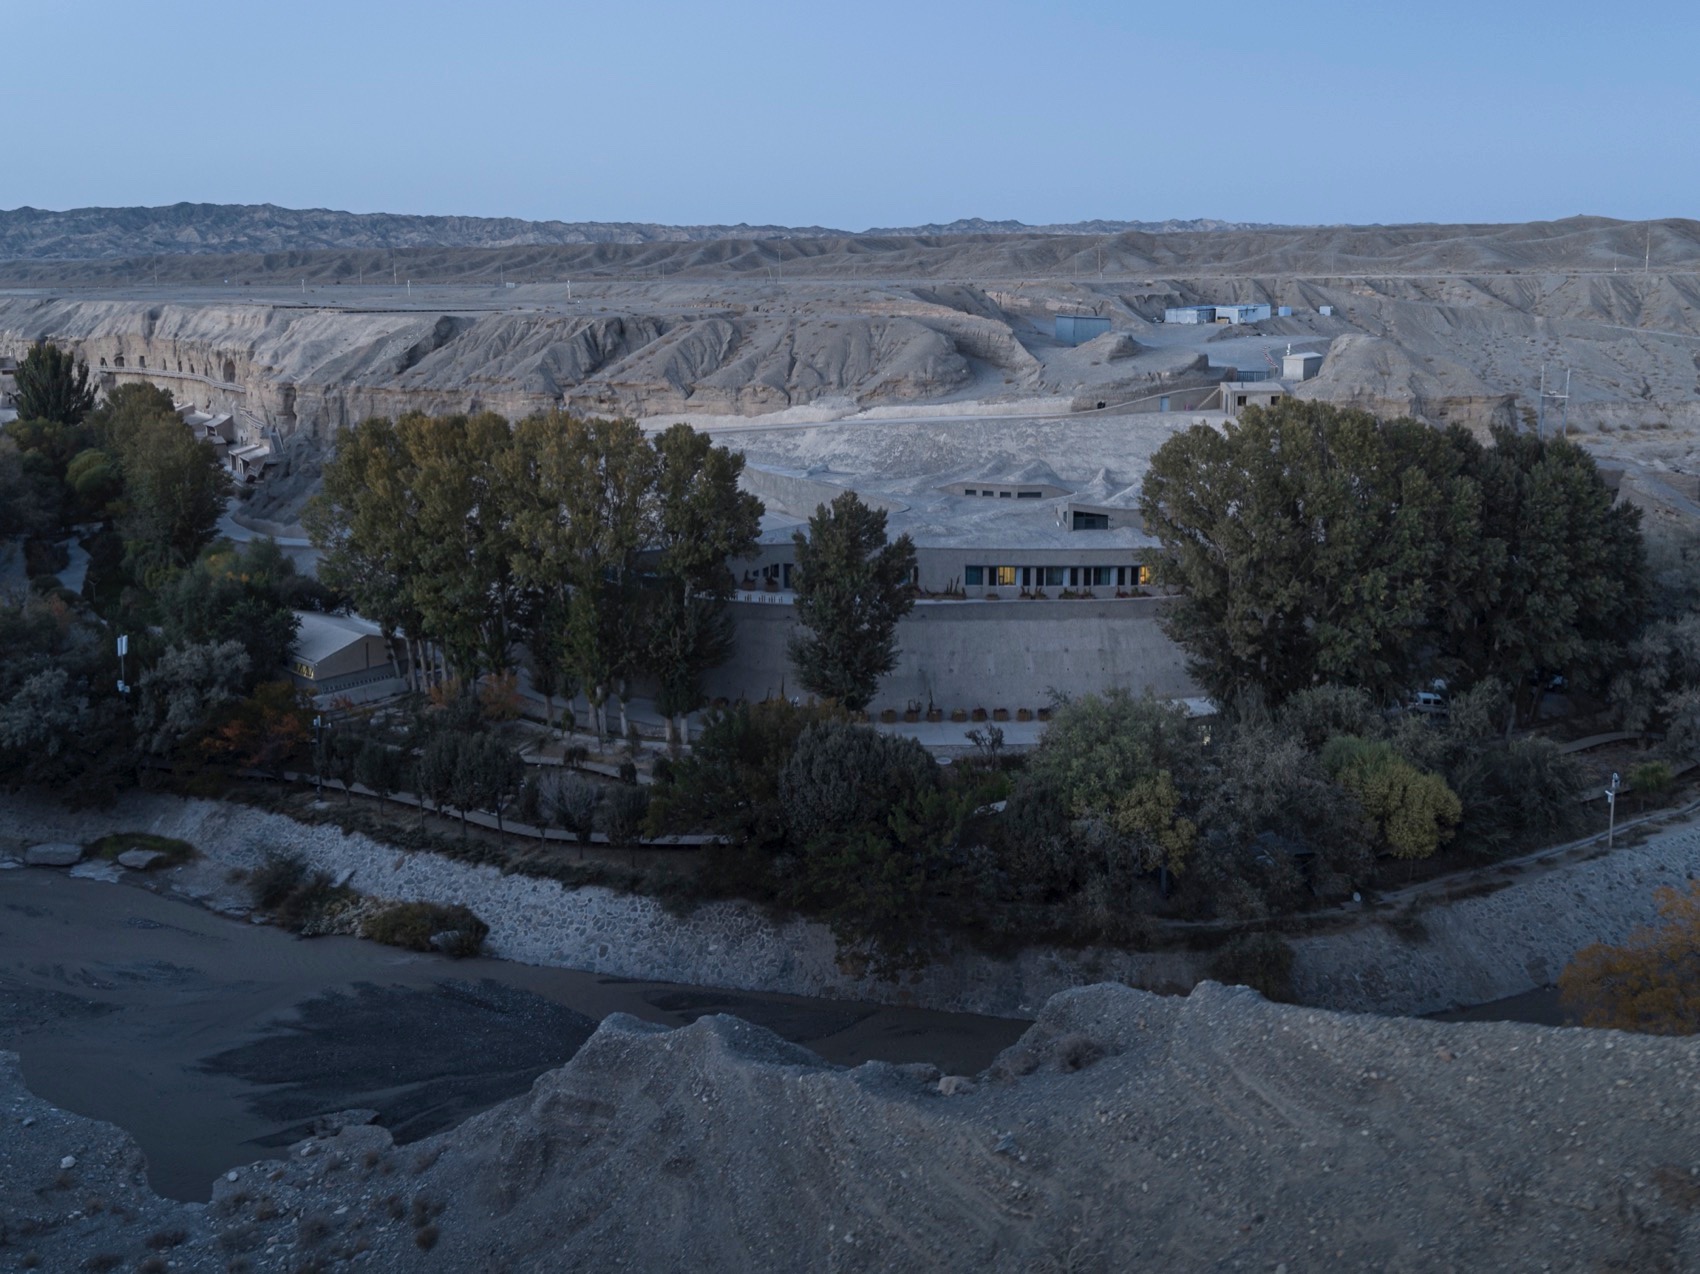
1008, 654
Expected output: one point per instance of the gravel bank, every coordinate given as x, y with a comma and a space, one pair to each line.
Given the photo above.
1124, 1131
1465, 952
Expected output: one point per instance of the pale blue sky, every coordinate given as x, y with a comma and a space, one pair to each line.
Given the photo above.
858, 114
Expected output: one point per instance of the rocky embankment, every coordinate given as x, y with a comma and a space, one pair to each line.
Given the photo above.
1123, 1132
1514, 934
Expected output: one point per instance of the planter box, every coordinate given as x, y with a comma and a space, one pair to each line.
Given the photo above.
911, 716
1024, 714
959, 715
979, 714
1044, 714
935, 714
889, 716
1000, 714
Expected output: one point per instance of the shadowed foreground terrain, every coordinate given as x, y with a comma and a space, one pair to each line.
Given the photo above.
1124, 1131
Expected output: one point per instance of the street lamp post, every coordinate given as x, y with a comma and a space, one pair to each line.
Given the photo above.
1611, 808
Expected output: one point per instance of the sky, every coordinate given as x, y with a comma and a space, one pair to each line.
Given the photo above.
853, 115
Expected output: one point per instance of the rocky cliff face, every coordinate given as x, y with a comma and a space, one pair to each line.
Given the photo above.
1123, 1132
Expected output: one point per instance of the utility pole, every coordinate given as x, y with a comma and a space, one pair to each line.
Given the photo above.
123, 649
319, 759
1564, 412
1611, 807
1541, 406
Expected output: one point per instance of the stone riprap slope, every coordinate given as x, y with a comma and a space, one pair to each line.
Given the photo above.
1123, 1132
1481, 948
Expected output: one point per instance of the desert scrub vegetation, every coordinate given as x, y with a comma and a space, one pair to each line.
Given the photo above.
301, 900
414, 926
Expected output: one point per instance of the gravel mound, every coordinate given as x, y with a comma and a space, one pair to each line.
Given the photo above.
1124, 1131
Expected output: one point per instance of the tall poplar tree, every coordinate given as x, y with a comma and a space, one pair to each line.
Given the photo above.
702, 522
852, 588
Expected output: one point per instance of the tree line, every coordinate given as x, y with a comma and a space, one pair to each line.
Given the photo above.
599, 553
1319, 545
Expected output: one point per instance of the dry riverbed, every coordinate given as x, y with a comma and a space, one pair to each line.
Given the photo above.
215, 1042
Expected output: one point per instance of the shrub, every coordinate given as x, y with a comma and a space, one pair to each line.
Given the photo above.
623, 813
175, 851
840, 775
412, 925
1262, 961
1650, 779
1649, 983
275, 878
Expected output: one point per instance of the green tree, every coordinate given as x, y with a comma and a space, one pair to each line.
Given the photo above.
378, 768
53, 384
583, 513
729, 781
183, 691
175, 490
498, 772
872, 833
1098, 746
62, 726
852, 589
243, 593
570, 802
23, 508
364, 522
464, 587
1312, 544
702, 521
1414, 811
1567, 582
623, 812
435, 770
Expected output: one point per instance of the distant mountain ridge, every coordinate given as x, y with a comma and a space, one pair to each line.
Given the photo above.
88, 234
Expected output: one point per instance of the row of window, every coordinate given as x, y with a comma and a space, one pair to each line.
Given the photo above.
1054, 576
1019, 495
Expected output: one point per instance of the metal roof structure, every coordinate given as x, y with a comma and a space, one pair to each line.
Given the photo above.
320, 636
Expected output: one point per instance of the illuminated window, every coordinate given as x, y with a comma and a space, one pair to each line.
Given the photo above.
1004, 576
1144, 574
